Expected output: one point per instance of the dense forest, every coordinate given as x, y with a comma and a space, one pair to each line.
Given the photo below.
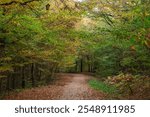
108, 38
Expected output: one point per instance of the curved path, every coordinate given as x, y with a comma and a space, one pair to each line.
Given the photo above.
66, 87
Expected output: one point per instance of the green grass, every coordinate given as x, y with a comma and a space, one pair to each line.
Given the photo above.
99, 85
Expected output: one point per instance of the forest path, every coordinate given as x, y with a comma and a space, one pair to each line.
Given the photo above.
78, 88
66, 87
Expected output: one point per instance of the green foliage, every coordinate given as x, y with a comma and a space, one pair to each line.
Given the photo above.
106, 37
106, 56
124, 47
33, 40
128, 84
99, 85
122, 82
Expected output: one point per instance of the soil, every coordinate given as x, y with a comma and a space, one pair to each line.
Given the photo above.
65, 87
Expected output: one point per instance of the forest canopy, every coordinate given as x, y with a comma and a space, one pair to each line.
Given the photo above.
41, 37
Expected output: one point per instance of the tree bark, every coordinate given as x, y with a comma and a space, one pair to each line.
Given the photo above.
0, 85
32, 75
81, 65
23, 77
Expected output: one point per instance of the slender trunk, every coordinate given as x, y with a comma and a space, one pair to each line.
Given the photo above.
13, 83
32, 75
8, 83
2, 54
92, 68
23, 77
81, 65
89, 64
0, 85
89, 67
13, 77
76, 67
39, 72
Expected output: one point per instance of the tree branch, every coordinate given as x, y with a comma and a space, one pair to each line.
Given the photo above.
17, 2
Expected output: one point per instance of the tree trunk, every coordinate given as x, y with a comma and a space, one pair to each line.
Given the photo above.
39, 72
23, 77
32, 75
81, 65
0, 85
13, 83
76, 67
8, 83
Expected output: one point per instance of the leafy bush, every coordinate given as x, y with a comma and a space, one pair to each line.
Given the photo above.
107, 59
130, 86
99, 85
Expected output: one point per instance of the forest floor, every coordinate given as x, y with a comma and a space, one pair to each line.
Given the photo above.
65, 87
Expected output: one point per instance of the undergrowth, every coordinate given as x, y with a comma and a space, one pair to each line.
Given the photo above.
99, 85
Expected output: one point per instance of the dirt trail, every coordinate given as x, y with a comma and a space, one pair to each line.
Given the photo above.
78, 88
66, 87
